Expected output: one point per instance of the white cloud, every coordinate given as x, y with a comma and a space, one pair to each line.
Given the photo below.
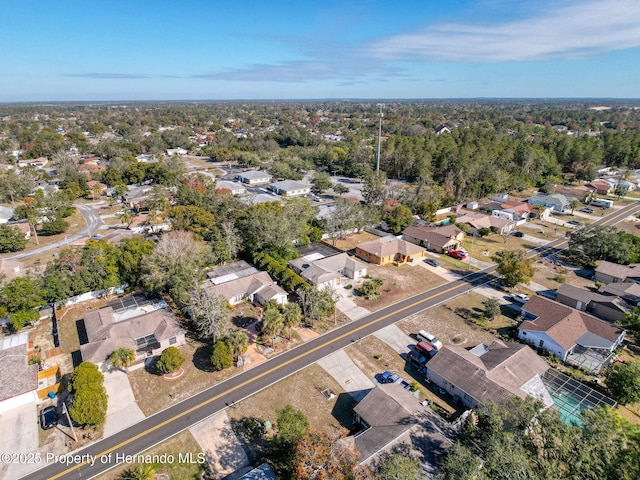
580, 29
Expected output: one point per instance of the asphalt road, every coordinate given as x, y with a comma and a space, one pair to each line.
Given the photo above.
176, 418
92, 222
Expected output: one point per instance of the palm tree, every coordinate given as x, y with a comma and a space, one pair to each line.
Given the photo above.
152, 219
96, 190
33, 223
127, 217
575, 203
141, 472
122, 357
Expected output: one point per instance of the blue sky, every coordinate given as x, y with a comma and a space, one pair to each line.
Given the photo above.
280, 49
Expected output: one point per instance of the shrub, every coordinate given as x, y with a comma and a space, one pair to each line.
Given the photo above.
170, 360
560, 278
122, 357
221, 357
54, 227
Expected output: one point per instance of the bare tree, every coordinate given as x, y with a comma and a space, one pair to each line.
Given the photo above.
210, 313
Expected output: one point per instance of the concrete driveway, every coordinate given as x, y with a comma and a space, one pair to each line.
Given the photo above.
340, 366
122, 409
395, 338
220, 444
19, 427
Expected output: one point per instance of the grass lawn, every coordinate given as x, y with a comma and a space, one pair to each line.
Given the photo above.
153, 392
181, 443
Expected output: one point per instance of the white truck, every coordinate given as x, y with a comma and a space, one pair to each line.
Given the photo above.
602, 202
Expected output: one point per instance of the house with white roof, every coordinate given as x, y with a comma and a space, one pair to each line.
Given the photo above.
254, 177
289, 188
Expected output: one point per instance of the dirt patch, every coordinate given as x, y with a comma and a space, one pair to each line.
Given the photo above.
350, 241
303, 390
449, 327
549, 274
399, 283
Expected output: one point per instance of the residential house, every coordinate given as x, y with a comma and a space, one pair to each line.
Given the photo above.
384, 250
608, 306
147, 333
442, 129
328, 271
478, 221
19, 380
600, 187
518, 210
575, 337
255, 199
254, 177
618, 183
176, 151
235, 188
238, 281
289, 188
435, 239
557, 201
628, 291
491, 373
385, 413
38, 163
609, 272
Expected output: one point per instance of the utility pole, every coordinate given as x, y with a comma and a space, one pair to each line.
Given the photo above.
64, 407
379, 135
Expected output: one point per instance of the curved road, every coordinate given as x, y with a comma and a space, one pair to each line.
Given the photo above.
92, 222
176, 418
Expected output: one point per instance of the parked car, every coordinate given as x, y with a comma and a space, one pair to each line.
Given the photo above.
389, 377
457, 254
426, 349
575, 223
426, 337
518, 234
432, 261
519, 297
587, 210
417, 359
48, 417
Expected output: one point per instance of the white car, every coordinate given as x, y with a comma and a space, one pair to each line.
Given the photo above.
423, 336
519, 297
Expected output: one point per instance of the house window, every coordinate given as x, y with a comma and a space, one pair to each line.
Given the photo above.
173, 341
541, 343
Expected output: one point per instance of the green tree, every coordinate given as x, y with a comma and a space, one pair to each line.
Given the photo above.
514, 267
291, 317
238, 343
291, 425
599, 242
491, 308
122, 357
631, 320
374, 191
623, 381
321, 182
316, 304
20, 299
399, 218
127, 217
399, 466
573, 204
371, 289
272, 321
170, 360
89, 405
84, 374
11, 239
221, 357
131, 253
340, 189
146, 471
54, 227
